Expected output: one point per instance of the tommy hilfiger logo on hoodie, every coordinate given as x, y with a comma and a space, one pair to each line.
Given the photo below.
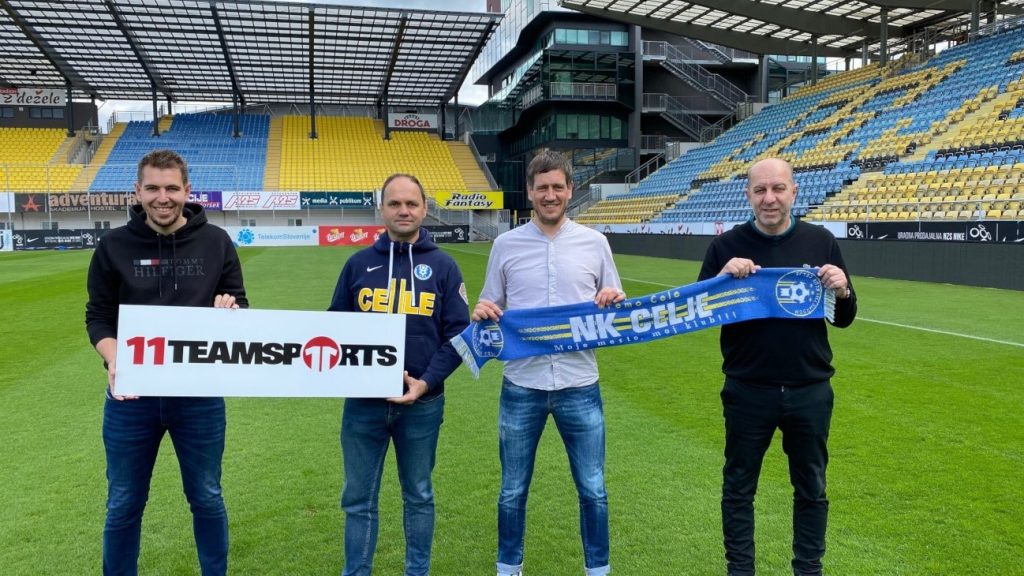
179, 267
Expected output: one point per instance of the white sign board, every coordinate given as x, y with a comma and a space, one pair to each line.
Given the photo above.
33, 96
180, 351
6, 241
274, 235
412, 121
260, 201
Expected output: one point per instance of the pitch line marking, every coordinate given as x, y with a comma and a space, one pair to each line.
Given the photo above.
896, 324
861, 318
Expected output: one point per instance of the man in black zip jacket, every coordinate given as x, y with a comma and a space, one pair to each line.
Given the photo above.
167, 255
405, 273
777, 371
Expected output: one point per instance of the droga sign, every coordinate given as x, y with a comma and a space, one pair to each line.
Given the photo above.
412, 121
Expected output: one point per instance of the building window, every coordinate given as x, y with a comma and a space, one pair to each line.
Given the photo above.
101, 224
46, 113
52, 225
248, 221
6, 112
295, 221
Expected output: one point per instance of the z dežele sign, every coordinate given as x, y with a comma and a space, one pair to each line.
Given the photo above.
182, 351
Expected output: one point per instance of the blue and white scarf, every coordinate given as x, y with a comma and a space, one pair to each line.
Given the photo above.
770, 293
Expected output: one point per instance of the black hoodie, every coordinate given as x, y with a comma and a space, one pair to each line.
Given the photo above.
135, 264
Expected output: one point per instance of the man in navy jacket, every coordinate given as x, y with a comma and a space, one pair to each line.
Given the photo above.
402, 273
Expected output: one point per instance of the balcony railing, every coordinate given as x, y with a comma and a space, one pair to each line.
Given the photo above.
569, 91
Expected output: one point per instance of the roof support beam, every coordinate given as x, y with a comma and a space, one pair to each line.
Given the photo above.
154, 77
312, 74
461, 76
227, 53
739, 40
55, 59
396, 49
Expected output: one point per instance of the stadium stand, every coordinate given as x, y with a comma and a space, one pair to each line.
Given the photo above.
351, 154
31, 162
217, 161
940, 139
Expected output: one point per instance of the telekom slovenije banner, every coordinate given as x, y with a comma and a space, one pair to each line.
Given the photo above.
182, 351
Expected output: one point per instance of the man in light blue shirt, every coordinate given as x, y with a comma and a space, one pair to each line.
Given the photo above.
547, 262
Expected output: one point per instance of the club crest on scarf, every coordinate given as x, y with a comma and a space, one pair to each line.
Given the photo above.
798, 292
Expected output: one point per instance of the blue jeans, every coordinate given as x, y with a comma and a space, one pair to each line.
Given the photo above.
132, 431
578, 415
367, 427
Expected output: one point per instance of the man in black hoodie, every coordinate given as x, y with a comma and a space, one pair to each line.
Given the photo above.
777, 372
403, 272
167, 255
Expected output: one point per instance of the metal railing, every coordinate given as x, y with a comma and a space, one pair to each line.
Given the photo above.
483, 165
568, 91
644, 170
1001, 26
653, 142
674, 109
677, 61
583, 91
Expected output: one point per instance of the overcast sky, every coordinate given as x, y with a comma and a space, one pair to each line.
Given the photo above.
469, 94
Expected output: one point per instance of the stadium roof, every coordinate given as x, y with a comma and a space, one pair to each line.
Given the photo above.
259, 50
787, 26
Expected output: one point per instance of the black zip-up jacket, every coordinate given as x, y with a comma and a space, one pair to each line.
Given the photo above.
134, 264
777, 351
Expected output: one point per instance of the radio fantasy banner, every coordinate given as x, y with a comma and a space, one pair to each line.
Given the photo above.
350, 235
770, 293
183, 351
470, 200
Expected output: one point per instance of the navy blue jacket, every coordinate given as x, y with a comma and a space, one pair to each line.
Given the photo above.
425, 285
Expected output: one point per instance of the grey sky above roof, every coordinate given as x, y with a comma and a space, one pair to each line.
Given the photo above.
787, 26
206, 50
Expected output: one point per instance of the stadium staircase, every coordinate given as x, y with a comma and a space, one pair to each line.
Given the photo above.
88, 173
472, 175
272, 170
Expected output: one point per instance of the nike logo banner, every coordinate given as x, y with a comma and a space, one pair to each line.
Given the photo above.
770, 293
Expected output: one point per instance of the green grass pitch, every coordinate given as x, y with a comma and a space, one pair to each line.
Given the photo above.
927, 444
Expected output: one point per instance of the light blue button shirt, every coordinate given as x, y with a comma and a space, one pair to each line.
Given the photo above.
527, 269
